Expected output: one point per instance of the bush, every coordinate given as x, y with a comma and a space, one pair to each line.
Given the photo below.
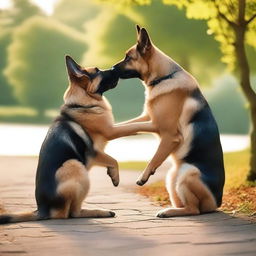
36, 67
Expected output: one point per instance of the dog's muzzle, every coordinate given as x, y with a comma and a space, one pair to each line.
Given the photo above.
125, 73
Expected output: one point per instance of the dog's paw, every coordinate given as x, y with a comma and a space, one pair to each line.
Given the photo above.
114, 175
105, 214
165, 213
112, 214
140, 182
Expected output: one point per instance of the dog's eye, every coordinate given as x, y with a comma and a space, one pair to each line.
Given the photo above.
127, 58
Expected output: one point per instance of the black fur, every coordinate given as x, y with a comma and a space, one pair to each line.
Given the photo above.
206, 151
109, 80
4, 219
125, 73
61, 144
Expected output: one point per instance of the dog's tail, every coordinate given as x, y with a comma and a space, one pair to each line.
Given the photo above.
19, 217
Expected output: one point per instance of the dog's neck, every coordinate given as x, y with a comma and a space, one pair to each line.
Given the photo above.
161, 69
160, 79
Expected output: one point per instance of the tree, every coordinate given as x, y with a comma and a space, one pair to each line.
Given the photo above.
36, 67
9, 20
6, 95
82, 11
233, 24
19, 12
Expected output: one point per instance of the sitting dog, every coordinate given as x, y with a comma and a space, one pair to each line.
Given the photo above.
185, 124
74, 143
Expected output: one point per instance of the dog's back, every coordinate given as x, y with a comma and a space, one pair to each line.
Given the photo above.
205, 150
61, 144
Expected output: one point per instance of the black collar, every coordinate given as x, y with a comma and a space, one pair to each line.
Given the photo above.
80, 106
159, 80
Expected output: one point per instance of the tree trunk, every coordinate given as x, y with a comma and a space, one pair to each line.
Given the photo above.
244, 73
252, 172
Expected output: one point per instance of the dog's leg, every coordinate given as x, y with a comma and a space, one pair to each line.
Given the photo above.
189, 199
73, 186
192, 192
61, 213
142, 118
94, 213
167, 145
77, 212
122, 130
103, 159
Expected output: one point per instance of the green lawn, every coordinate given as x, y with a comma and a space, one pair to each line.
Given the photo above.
236, 167
26, 115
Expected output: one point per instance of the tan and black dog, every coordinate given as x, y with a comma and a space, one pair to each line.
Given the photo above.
74, 143
187, 129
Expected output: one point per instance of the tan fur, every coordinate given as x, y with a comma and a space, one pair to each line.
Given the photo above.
170, 108
73, 186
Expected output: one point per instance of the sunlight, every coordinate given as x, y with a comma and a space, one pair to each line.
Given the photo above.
5, 4
46, 5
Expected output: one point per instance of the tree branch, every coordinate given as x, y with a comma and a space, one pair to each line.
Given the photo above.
231, 23
251, 19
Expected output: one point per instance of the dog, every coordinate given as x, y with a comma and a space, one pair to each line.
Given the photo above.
186, 127
73, 144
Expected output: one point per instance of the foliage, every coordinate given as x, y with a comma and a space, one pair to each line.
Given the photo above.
22, 10
36, 67
82, 11
9, 20
6, 96
219, 15
170, 31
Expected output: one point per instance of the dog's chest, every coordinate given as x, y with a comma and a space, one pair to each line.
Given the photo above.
99, 142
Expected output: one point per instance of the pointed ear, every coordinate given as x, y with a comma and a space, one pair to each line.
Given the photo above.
74, 70
144, 43
138, 29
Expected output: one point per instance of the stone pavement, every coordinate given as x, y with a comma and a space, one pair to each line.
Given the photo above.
135, 230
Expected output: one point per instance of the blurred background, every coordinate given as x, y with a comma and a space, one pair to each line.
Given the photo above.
35, 35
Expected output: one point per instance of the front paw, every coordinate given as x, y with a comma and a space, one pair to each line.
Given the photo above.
114, 175
144, 177
140, 182
165, 213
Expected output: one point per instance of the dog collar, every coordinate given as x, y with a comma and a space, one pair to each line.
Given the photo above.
159, 80
80, 106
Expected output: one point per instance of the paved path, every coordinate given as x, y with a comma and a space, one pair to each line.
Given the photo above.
135, 230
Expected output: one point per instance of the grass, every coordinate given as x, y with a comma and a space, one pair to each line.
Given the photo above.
12, 111
19, 114
239, 195
133, 165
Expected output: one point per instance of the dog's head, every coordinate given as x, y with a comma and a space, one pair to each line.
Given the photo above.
88, 81
137, 59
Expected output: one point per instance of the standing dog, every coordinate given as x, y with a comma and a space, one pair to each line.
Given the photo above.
186, 126
73, 144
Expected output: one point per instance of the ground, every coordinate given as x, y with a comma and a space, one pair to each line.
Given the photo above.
134, 231
239, 197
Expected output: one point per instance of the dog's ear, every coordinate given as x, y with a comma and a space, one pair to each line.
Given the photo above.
74, 70
143, 43
138, 29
